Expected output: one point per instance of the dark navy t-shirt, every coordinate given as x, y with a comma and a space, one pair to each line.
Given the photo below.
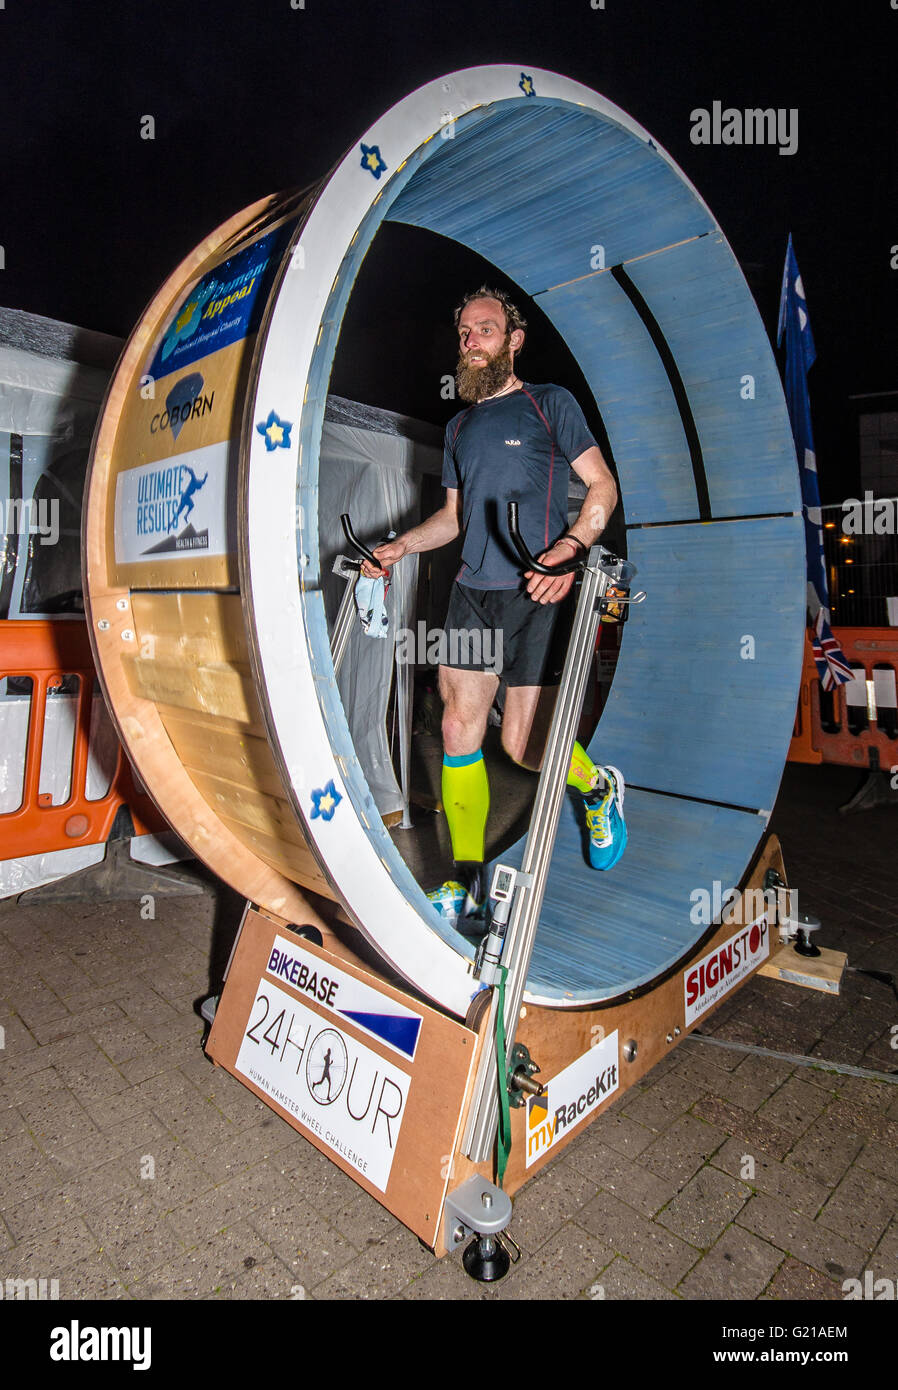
514, 448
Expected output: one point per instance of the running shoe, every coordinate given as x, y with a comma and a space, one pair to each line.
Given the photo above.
605, 821
463, 904
449, 900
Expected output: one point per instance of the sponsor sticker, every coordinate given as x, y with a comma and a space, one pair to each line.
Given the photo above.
715, 974
334, 1086
222, 307
372, 1012
187, 400
174, 507
570, 1096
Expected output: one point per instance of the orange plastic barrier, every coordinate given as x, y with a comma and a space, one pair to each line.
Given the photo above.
44, 652
803, 748
856, 724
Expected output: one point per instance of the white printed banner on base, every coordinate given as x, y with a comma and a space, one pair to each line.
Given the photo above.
374, 1013
336, 1088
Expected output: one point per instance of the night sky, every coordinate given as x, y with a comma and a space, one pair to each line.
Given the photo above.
251, 99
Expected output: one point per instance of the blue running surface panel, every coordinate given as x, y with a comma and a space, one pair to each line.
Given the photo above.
608, 237
601, 934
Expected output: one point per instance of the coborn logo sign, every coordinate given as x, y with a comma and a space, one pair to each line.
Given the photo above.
713, 976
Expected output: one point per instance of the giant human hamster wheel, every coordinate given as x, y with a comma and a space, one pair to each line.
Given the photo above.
201, 544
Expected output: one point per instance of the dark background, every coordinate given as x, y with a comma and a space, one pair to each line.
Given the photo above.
254, 98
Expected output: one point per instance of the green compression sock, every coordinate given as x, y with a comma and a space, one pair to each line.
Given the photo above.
583, 774
466, 801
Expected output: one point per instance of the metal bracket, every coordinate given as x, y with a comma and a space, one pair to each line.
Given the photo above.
521, 1071
617, 571
784, 920
620, 602
795, 927
476, 1207
345, 568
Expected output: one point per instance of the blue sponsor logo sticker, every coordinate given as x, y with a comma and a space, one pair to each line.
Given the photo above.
372, 160
165, 500
223, 307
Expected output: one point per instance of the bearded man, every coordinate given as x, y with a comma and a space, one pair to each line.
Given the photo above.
513, 441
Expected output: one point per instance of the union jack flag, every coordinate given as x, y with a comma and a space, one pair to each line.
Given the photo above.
832, 667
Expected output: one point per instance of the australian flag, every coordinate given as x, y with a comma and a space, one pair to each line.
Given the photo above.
832, 667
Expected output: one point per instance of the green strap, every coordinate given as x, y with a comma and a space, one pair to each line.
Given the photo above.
504, 1137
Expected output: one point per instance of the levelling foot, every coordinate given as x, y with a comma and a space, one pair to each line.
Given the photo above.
486, 1259
804, 943
481, 1209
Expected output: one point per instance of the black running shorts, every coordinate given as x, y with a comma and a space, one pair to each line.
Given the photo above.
504, 632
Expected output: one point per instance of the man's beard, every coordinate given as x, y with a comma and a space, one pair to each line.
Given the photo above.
474, 383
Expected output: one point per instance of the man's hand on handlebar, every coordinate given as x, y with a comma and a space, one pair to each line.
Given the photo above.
387, 554
542, 588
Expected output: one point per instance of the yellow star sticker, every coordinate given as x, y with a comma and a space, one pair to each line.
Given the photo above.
371, 159
527, 84
326, 804
275, 433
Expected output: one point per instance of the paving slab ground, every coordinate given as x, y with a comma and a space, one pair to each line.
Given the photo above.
131, 1168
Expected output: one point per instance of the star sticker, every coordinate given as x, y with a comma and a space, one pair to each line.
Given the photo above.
372, 160
325, 802
276, 432
526, 85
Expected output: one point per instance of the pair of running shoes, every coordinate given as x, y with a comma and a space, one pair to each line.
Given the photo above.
465, 905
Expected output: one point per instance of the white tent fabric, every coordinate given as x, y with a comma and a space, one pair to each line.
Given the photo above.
376, 477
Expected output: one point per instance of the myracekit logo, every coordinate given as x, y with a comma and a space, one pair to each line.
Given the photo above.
570, 1096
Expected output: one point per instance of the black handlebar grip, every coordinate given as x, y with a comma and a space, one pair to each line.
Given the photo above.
530, 561
354, 541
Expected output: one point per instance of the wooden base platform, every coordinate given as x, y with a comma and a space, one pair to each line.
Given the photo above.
822, 972
380, 1081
